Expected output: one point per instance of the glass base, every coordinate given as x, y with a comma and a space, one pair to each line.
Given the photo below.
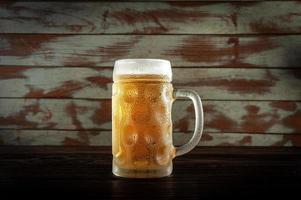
138, 173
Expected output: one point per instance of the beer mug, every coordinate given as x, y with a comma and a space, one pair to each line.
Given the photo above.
141, 116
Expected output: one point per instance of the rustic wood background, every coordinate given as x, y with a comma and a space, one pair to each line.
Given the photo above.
243, 58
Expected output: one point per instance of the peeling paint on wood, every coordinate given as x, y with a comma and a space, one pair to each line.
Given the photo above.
182, 50
237, 116
51, 60
88, 115
103, 138
95, 83
151, 17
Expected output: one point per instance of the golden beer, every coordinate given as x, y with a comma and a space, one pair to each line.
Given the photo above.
142, 126
142, 97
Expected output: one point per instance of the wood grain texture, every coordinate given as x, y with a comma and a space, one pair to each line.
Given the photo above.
243, 58
220, 116
85, 172
151, 17
103, 138
182, 50
95, 83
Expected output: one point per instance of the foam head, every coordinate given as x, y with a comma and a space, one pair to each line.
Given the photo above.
142, 67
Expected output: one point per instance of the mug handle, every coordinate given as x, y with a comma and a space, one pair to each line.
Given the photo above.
199, 119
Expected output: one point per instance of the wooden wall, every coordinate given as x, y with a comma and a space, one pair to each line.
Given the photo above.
243, 58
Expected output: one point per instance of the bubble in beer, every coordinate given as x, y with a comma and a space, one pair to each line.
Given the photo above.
141, 112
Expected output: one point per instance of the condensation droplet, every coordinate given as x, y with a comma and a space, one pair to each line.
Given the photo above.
149, 140
130, 94
162, 156
131, 139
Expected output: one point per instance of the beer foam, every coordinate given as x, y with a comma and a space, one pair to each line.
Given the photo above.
142, 67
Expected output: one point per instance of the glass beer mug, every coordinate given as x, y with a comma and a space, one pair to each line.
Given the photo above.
141, 116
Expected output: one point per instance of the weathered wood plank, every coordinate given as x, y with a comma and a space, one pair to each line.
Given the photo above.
103, 138
151, 17
182, 50
220, 116
210, 83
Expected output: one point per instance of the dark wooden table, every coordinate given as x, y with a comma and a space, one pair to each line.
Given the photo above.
51, 172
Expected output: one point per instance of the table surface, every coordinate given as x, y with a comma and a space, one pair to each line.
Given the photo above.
205, 172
